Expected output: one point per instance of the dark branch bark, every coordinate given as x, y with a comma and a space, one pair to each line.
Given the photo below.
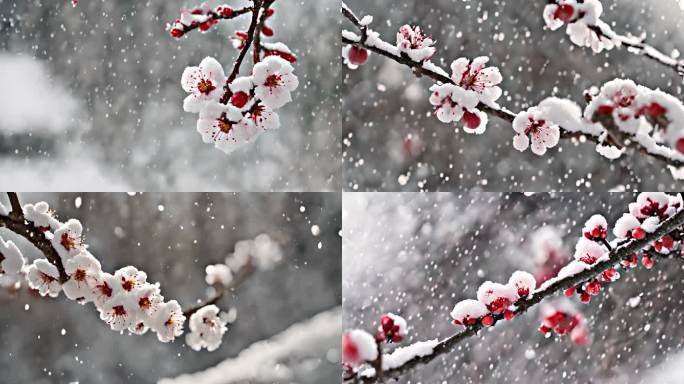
501, 113
671, 226
260, 26
16, 223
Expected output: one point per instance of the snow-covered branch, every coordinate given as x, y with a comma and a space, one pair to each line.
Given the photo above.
586, 29
619, 116
233, 110
653, 226
125, 300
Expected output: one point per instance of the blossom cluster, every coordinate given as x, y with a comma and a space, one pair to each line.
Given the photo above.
471, 83
562, 318
125, 299
494, 301
234, 110
584, 26
651, 118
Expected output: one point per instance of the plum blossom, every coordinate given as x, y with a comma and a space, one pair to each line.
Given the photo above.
168, 321
41, 216
523, 283
11, 259
266, 252
533, 125
130, 278
589, 252
206, 329
84, 271
204, 83
596, 228
496, 297
451, 102
392, 327
218, 274
412, 42
474, 76
625, 226
120, 312
105, 288
148, 298
467, 312
274, 81
618, 99
44, 277
358, 346
67, 239
262, 117
651, 204
582, 19
224, 126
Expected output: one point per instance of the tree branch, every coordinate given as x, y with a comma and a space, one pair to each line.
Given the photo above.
259, 28
16, 223
221, 290
621, 252
215, 16
419, 69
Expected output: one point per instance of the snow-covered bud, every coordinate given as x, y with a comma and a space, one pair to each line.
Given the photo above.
596, 228
468, 311
496, 297
523, 283
41, 216
354, 56
358, 346
625, 227
650, 204
589, 252
392, 327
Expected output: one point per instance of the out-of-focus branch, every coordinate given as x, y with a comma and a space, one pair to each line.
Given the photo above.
419, 69
673, 225
221, 290
16, 222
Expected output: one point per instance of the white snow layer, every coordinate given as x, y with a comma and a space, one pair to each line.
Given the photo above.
263, 361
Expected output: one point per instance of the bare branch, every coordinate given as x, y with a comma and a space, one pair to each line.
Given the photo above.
215, 16
260, 26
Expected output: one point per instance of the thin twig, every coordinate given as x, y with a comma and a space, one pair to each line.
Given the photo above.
221, 290
619, 253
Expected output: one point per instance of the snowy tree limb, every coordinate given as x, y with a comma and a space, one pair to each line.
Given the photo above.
16, 222
637, 46
216, 16
622, 251
259, 29
422, 69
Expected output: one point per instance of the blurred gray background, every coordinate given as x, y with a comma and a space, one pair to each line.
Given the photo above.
417, 255
92, 100
387, 132
173, 246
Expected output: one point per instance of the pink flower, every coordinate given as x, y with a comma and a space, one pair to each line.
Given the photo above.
412, 42
496, 297
589, 252
168, 321
357, 347
467, 312
274, 81
84, 271
451, 102
44, 277
532, 125
204, 83
474, 76
523, 283
596, 228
